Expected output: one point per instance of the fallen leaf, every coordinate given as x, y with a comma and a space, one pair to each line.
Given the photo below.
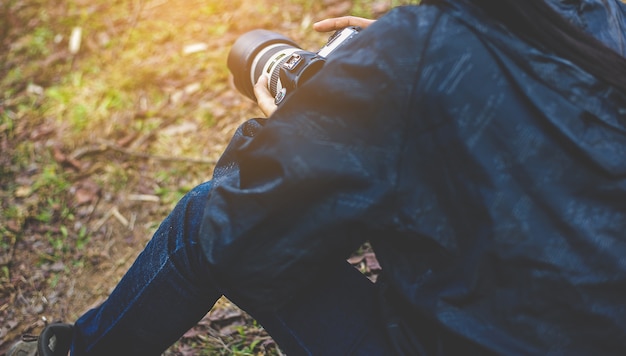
85, 191
193, 332
372, 262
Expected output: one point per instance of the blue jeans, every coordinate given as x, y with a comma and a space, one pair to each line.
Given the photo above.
169, 289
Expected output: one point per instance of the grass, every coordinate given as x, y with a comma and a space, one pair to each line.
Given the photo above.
130, 113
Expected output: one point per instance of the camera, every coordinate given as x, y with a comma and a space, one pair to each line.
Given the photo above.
288, 66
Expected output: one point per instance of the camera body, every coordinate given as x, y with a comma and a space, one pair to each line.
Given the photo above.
260, 52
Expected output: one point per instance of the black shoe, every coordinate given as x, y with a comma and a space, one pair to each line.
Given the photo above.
54, 340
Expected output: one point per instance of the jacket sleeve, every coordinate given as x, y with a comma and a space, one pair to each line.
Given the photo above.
317, 180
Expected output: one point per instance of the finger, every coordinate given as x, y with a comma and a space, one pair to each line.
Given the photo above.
338, 23
265, 101
260, 88
261, 83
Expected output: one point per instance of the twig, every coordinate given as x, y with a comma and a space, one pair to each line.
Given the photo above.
144, 197
108, 146
116, 213
102, 220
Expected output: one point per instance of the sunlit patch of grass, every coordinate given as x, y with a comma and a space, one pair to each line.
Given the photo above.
84, 105
143, 72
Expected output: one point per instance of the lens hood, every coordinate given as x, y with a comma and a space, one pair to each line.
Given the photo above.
243, 53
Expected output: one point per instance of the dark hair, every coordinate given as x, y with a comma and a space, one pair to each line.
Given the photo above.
538, 22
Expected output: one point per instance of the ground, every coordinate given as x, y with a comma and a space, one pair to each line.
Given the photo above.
109, 112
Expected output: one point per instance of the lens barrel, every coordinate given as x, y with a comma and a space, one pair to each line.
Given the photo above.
250, 54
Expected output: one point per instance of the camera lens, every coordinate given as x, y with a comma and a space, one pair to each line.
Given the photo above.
256, 52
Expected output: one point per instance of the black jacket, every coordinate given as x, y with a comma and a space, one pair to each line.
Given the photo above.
489, 175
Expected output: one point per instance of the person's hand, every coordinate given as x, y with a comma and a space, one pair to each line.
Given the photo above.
337, 23
264, 98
